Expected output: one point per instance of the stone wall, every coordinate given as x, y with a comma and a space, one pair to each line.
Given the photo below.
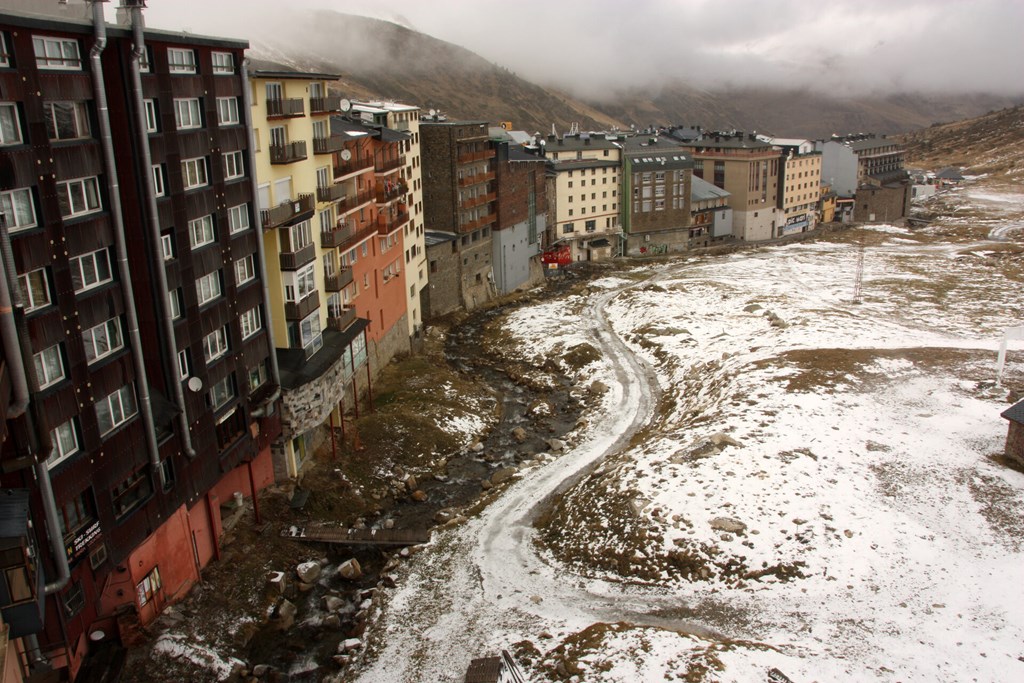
442, 294
882, 204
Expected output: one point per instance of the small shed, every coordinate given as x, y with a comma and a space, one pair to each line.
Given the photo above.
1015, 436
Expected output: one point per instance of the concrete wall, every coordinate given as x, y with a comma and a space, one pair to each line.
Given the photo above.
512, 253
476, 278
839, 168
755, 225
442, 295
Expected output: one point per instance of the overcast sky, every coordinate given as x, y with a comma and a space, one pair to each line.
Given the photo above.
839, 45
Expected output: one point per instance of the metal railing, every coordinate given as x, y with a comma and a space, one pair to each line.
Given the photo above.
288, 152
290, 106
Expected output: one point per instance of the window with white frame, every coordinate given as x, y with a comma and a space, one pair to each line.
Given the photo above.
238, 218
56, 53
65, 442
114, 410
245, 269
223, 62
215, 345
181, 61
233, 165
184, 364
103, 340
208, 287
193, 173
188, 113
66, 120
300, 236
78, 197
174, 304
18, 207
300, 283
35, 289
90, 270
49, 366
5, 55
145, 62
10, 124
307, 333
159, 189
167, 246
227, 111
201, 232
222, 392
251, 322
257, 376
152, 122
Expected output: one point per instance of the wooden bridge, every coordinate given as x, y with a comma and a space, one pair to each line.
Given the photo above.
390, 537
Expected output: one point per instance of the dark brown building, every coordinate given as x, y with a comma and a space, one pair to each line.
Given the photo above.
517, 239
657, 175
139, 298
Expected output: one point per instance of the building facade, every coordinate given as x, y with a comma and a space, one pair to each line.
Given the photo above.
711, 216
799, 185
129, 200
518, 235
656, 179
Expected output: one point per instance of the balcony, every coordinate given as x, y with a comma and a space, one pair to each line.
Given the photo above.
395, 191
288, 212
351, 166
301, 309
331, 193
286, 108
293, 260
354, 201
476, 179
478, 223
288, 153
388, 165
470, 157
388, 224
341, 322
341, 233
479, 200
325, 105
338, 281
328, 145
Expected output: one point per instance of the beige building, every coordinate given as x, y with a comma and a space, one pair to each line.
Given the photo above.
584, 194
406, 118
799, 185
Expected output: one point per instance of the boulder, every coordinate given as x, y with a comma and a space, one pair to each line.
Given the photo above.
331, 621
519, 434
308, 572
723, 439
486, 484
410, 483
443, 516
419, 495
350, 570
260, 670
284, 615
477, 447
597, 387
349, 644
556, 445
304, 587
277, 582
389, 524
503, 475
331, 603
728, 525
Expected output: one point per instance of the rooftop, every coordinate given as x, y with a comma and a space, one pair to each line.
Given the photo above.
263, 68
701, 190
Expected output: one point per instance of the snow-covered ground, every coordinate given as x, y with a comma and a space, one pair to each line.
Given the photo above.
777, 477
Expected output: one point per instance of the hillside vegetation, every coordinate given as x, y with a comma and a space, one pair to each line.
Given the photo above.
993, 143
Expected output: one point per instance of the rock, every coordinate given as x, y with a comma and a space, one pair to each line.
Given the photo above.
721, 439
556, 445
443, 516
341, 660
304, 587
751, 308
331, 603
284, 615
331, 621
350, 644
308, 572
519, 434
388, 581
419, 496
848, 533
486, 484
597, 387
350, 570
503, 475
260, 670
799, 522
388, 524
276, 581
726, 537
410, 483
536, 599
728, 525
477, 446
365, 604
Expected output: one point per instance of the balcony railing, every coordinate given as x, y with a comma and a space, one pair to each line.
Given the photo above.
391, 223
325, 105
341, 233
478, 200
478, 223
354, 201
396, 190
339, 280
288, 152
298, 311
476, 179
388, 165
293, 260
352, 166
470, 157
287, 211
341, 322
328, 145
292, 106
331, 193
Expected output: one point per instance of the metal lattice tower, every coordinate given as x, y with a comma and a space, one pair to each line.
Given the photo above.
859, 278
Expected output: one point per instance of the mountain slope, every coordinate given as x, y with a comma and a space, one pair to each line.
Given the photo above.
993, 143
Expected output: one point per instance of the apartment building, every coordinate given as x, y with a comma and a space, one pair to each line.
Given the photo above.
799, 184
656, 179
748, 169
584, 194
459, 198
141, 370
869, 170
710, 214
517, 239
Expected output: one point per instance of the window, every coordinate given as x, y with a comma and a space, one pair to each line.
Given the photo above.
65, 443
303, 283
215, 344
167, 246
222, 392
49, 366
251, 322
78, 197
233, 166
188, 113
306, 334
591, 225
201, 232
145, 63
5, 55
90, 270
130, 493
223, 62
19, 209
56, 53
180, 61
102, 340
114, 410
159, 189
35, 289
147, 588
10, 128
245, 270
257, 376
174, 303
66, 120
152, 125
193, 173
184, 366
208, 287
74, 599
238, 218
227, 111
568, 227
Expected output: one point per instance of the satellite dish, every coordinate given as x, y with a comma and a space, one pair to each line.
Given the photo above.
345, 155
345, 105
433, 112
195, 384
